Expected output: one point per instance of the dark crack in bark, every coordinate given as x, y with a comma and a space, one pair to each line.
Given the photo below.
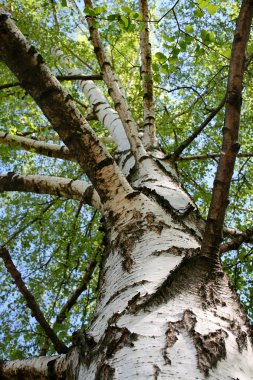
211, 348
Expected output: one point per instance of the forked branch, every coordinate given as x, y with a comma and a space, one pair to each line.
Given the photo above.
230, 146
245, 237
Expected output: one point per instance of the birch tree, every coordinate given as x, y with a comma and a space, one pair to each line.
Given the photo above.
115, 259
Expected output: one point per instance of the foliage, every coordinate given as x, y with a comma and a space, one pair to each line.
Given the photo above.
52, 239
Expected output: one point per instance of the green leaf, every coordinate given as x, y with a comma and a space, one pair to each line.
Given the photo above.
198, 13
212, 8
126, 9
124, 22
89, 11
161, 57
148, 78
99, 10
202, 3
189, 29
64, 3
114, 16
165, 69
207, 36
182, 45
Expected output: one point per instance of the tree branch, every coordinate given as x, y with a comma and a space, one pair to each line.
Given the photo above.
63, 187
56, 24
9, 85
114, 89
60, 110
230, 146
61, 78
40, 368
78, 291
190, 139
105, 114
244, 237
210, 155
31, 302
149, 138
40, 147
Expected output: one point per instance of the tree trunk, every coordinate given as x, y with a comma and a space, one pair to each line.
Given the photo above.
165, 312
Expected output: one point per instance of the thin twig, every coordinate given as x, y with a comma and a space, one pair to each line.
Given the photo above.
210, 156
189, 140
60, 78
55, 16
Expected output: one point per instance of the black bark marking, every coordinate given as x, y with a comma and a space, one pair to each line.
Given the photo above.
209, 293
122, 290
176, 215
115, 338
241, 341
32, 50
119, 338
210, 348
241, 336
176, 251
171, 334
88, 193
104, 372
190, 274
127, 238
84, 341
157, 371
153, 224
106, 162
133, 194
51, 372
171, 337
48, 93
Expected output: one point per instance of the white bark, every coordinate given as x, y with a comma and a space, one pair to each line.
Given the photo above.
40, 147
63, 187
107, 116
167, 312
